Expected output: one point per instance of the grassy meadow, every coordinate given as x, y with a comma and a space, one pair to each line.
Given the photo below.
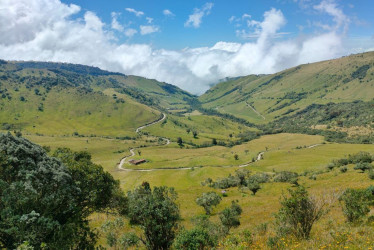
289, 152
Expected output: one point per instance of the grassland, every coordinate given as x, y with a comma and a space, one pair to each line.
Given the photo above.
341, 80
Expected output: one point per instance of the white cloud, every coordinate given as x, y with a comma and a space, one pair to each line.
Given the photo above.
195, 19
331, 8
148, 29
149, 20
59, 36
115, 24
168, 13
130, 32
137, 13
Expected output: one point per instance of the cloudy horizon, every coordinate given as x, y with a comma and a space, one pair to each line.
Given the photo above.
50, 30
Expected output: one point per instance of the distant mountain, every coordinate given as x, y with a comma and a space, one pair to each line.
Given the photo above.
263, 98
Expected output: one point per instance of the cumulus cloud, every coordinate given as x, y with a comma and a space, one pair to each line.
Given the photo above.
167, 13
195, 19
115, 24
148, 29
340, 19
59, 36
137, 13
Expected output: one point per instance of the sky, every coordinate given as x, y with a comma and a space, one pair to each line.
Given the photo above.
192, 44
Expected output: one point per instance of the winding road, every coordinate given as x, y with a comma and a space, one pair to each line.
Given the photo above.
123, 160
132, 152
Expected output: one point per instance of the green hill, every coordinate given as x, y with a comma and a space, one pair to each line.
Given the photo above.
43, 98
263, 98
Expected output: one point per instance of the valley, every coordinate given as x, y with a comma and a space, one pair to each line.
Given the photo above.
297, 121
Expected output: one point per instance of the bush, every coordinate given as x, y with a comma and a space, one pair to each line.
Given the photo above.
285, 176
298, 213
259, 178
363, 166
355, 203
196, 238
360, 157
371, 174
208, 200
230, 217
343, 169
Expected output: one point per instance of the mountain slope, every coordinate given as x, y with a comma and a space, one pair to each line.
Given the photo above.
260, 99
62, 102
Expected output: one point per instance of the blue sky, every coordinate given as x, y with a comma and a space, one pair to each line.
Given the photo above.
192, 44
215, 25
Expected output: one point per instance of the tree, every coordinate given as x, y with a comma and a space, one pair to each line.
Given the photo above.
230, 217
355, 203
214, 141
41, 199
194, 133
196, 238
242, 175
99, 190
298, 213
180, 141
188, 130
157, 214
208, 200
236, 157
254, 187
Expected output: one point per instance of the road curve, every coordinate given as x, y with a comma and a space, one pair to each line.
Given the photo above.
123, 160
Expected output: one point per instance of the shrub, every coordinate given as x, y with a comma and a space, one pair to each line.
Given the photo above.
196, 238
355, 203
371, 174
298, 213
285, 176
208, 200
230, 217
259, 178
363, 166
230, 181
343, 169
360, 157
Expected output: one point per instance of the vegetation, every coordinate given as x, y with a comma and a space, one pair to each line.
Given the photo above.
298, 213
208, 201
46, 203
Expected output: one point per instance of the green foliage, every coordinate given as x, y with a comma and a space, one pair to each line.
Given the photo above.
343, 169
355, 203
230, 217
298, 213
208, 200
40, 200
113, 231
363, 166
196, 238
285, 176
157, 214
99, 190
254, 187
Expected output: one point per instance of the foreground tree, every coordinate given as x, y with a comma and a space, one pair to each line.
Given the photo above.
230, 217
208, 200
298, 213
43, 202
156, 212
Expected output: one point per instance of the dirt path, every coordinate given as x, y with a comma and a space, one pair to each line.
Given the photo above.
314, 145
123, 160
254, 110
